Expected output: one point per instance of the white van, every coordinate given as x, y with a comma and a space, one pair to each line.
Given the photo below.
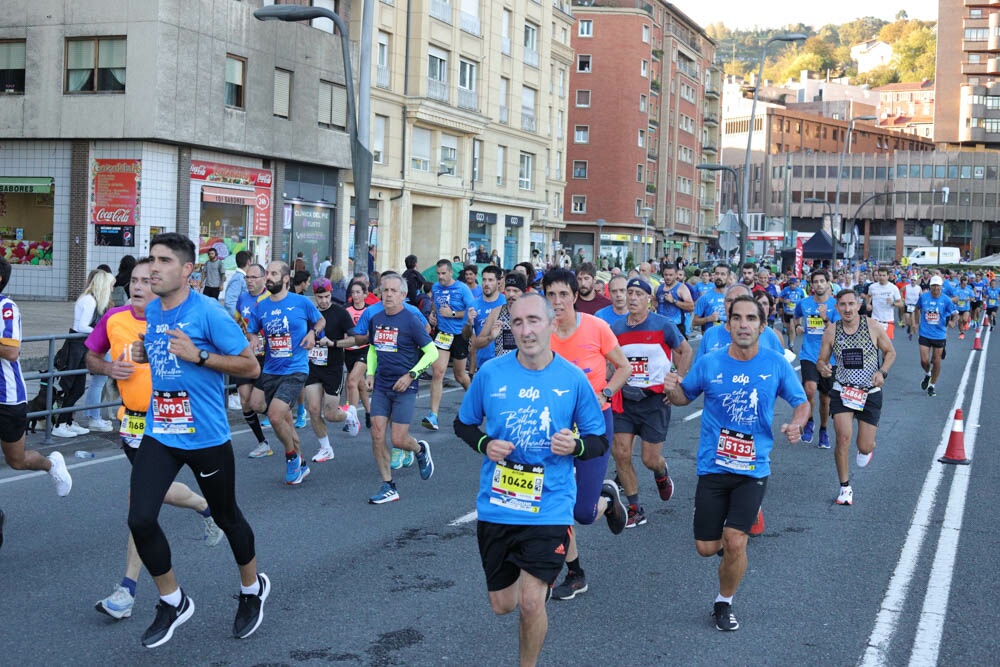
928, 256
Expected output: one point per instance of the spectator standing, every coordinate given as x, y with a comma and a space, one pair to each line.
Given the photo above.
213, 274
120, 293
237, 283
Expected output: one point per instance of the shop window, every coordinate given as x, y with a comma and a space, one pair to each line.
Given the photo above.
27, 212
95, 65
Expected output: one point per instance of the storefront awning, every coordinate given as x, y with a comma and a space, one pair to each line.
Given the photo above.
228, 196
25, 185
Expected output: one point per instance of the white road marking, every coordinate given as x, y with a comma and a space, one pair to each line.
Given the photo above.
693, 415
465, 518
894, 602
927, 642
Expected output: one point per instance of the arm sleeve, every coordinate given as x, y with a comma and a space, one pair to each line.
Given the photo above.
472, 435
429, 356
371, 360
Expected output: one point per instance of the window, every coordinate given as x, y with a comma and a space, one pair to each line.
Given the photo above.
645, 34
505, 32
562, 83
642, 103
235, 81
382, 60
559, 124
332, 105
685, 154
528, 96
639, 173
583, 98
530, 44
504, 98
282, 92
467, 75
579, 169
98, 66
559, 164
642, 138
583, 63
449, 154
420, 149
644, 68
12, 67
326, 25
581, 134
639, 204
526, 171
437, 73
477, 152
468, 16
501, 164
378, 138
586, 28
579, 203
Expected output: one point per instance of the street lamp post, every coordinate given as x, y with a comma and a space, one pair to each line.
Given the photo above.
840, 174
788, 37
711, 166
361, 157
833, 240
646, 213
600, 222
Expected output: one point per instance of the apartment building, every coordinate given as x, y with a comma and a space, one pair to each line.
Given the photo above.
645, 111
469, 122
907, 108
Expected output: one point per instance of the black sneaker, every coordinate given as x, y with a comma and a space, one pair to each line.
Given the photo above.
931, 392
617, 513
725, 620
250, 612
926, 381
168, 619
572, 585
368, 421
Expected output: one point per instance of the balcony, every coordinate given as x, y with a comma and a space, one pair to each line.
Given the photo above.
709, 148
711, 92
528, 121
382, 77
468, 99
651, 154
437, 90
711, 119
707, 176
469, 23
441, 10
503, 115
707, 203
530, 57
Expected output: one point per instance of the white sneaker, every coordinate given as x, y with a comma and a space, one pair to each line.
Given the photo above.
261, 450
846, 496
79, 429
60, 475
324, 454
864, 459
63, 431
117, 605
213, 534
234, 402
102, 425
353, 425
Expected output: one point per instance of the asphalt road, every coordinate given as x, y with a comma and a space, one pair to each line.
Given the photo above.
906, 576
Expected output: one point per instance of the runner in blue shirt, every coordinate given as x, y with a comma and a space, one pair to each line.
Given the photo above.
451, 301
812, 315
978, 283
190, 344
935, 312
540, 413
741, 387
619, 307
710, 307
963, 298
291, 326
717, 338
992, 295
673, 298
480, 312
788, 299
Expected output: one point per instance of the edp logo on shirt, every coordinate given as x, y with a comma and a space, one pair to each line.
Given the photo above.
529, 393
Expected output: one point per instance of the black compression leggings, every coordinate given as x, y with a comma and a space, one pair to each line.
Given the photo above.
153, 471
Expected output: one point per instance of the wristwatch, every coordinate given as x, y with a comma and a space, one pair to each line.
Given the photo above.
885, 376
607, 393
202, 357
414, 374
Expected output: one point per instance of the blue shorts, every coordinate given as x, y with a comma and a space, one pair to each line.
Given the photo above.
590, 478
398, 407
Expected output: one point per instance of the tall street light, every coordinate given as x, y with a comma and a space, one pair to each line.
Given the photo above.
840, 174
788, 37
361, 157
833, 240
646, 212
711, 166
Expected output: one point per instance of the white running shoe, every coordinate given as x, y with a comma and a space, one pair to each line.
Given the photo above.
864, 459
117, 605
63, 431
323, 455
102, 425
353, 424
79, 429
234, 402
60, 475
261, 450
846, 496
213, 534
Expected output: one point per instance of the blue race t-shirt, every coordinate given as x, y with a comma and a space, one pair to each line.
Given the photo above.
718, 338
483, 308
791, 297
702, 288
949, 287
965, 296
667, 309
187, 409
711, 301
934, 314
458, 297
397, 340
739, 409
807, 310
532, 486
361, 328
992, 296
979, 287
609, 315
284, 323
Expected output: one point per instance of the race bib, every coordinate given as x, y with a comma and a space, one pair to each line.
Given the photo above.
640, 371
961, 303
443, 340
280, 345
911, 308
172, 412
815, 325
386, 339
131, 428
932, 317
518, 486
853, 398
736, 450
991, 303
318, 355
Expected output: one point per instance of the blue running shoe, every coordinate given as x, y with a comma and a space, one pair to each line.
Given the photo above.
430, 421
302, 419
807, 432
386, 494
408, 459
424, 460
292, 469
264, 421
302, 473
397, 459
824, 439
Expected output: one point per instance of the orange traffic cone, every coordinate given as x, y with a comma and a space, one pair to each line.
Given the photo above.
977, 343
955, 454
758, 525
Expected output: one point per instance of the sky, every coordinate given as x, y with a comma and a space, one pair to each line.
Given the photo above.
746, 14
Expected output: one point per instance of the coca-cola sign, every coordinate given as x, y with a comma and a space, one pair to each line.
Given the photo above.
216, 172
115, 193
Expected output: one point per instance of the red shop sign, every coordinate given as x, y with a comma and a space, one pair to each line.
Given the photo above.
114, 197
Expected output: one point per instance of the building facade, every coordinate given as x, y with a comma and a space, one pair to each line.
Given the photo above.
645, 101
907, 108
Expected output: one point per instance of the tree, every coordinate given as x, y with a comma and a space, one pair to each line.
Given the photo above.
901, 15
880, 76
914, 55
860, 30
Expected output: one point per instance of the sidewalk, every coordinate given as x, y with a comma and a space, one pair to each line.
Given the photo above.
42, 318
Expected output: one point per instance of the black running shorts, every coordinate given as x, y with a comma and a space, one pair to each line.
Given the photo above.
810, 374
13, 422
931, 342
871, 413
506, 550
726, 500
331, 377
282, 387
